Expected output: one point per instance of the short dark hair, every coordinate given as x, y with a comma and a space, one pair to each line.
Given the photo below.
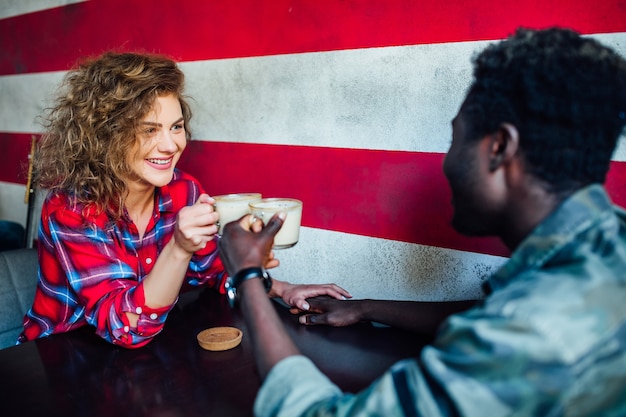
566, 95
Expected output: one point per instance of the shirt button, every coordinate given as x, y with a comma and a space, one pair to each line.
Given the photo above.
153, 316
138, 310
126, 329
148, 261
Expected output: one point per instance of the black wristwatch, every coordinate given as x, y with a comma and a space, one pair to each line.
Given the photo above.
232, 283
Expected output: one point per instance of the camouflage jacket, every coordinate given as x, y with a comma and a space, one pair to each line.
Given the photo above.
549, 339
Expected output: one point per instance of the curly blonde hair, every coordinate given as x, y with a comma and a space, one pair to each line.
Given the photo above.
94, 124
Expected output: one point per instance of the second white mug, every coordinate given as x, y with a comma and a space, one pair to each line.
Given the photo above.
289, 234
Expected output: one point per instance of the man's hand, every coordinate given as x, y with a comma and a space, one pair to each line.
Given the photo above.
330, 312
246, 243
418, 316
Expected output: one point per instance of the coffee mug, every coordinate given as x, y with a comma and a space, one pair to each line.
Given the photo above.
265, 208
232, 206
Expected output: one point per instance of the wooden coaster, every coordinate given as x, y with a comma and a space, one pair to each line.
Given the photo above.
219, 338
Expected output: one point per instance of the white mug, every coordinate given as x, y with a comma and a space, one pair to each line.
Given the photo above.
265, 208
232, 206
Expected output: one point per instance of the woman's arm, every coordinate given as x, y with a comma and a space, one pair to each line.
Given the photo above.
195, 227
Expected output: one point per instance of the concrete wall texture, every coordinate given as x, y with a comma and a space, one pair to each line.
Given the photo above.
345, 105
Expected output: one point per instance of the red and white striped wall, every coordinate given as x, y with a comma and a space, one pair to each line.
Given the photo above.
345, 105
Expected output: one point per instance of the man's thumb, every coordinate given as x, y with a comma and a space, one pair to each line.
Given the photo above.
275, 223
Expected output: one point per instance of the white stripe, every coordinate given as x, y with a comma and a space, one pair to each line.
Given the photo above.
23, 99
387, 269
10, 8
394, 98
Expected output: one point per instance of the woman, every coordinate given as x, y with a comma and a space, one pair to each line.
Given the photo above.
122, 230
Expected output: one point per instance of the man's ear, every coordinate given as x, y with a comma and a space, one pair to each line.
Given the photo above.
504, 145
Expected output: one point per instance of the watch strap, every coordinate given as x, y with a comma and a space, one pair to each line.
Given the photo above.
248, 273
232, 283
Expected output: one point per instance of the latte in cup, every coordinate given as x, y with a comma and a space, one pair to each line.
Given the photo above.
232, 206
289, 234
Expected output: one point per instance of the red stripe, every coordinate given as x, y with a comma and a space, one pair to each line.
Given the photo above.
53, 39
393, 195
386, 194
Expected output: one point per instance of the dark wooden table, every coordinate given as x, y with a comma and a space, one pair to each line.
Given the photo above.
78, 374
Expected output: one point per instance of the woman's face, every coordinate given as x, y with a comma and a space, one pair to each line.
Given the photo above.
161, 141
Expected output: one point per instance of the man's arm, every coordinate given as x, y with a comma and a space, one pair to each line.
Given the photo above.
417, 316
240, 249
270, 341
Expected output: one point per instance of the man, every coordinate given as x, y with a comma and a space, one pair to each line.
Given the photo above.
532, 143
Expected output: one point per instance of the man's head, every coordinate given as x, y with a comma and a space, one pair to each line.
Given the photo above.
551, 100
565, 94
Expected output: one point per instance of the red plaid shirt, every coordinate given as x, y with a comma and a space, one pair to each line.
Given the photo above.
91, 271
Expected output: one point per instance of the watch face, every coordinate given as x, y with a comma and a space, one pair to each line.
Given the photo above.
267, 281
231, 293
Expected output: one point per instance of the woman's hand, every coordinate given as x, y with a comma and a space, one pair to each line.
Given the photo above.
272, 262
295, 295
196, 224
330, 312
